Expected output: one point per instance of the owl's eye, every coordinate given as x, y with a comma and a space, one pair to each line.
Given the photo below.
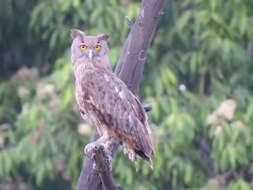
83, 47
97, 47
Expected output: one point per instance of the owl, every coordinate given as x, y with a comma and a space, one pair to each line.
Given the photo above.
115, 111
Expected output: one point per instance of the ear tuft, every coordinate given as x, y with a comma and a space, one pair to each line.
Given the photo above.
103, 37
76, 33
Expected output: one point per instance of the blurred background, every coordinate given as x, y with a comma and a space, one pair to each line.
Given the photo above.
198, 79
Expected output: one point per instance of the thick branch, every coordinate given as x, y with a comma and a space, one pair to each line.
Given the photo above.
103, 164
129, 69
131, 63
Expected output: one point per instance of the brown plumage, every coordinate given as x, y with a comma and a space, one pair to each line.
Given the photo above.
106, 100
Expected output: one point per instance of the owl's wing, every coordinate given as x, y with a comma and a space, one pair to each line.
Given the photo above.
119, 109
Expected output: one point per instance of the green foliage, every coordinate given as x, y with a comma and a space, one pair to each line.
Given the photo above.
197, 79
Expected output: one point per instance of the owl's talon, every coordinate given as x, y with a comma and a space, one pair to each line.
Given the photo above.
88, 150
94, 166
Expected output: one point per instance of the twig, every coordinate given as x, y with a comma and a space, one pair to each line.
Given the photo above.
129, 21
147, 107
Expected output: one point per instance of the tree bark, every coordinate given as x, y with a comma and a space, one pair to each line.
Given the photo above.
129, 69
131, 62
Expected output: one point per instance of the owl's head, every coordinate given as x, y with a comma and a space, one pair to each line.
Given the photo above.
89, 47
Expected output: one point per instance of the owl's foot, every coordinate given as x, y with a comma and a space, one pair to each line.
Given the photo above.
101, 156
88, 149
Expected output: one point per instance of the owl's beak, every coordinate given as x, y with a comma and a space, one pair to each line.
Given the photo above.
90, 53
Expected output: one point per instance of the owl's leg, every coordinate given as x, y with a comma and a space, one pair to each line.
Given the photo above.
101, 141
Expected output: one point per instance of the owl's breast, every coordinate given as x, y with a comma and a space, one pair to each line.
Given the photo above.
79, 95
84, 97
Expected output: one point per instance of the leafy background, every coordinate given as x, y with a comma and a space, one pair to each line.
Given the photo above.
198, 78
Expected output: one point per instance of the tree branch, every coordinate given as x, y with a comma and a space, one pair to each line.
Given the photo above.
131, 62
104, 170
129, 69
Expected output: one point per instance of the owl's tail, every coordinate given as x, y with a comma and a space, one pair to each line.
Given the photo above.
146, 152
145, 157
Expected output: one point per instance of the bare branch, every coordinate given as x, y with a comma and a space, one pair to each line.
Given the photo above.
129, 69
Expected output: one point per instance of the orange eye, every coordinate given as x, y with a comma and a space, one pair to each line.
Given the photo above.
97, 47
83, 47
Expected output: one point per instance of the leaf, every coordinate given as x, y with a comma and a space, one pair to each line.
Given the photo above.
188, 173
53, 40
183, 21
76, 3
96, 14
214, 4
